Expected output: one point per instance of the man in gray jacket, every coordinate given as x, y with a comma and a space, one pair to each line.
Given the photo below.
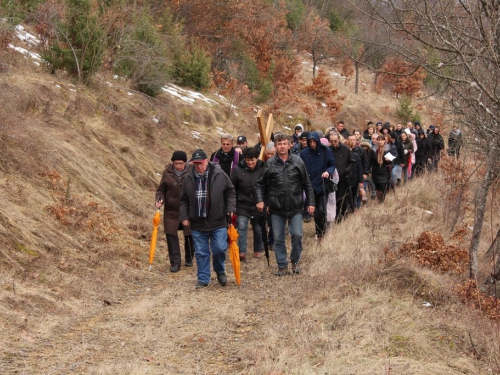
207, 199
280, 186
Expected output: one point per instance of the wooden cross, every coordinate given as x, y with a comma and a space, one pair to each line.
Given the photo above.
265, 134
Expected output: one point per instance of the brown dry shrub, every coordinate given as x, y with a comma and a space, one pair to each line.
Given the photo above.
430, 251
470, 295
76, 213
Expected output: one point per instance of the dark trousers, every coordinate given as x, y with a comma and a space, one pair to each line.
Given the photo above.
174, 249
320, 213
343, 200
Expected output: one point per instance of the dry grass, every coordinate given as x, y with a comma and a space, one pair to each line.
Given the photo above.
72, 301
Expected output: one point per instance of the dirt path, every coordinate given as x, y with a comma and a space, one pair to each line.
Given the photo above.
158, 324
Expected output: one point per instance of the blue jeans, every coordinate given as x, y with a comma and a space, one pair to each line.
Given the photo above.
258, 245
396, 173
216, 241
295, 227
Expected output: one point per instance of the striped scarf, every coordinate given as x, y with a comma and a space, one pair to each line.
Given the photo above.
201, 193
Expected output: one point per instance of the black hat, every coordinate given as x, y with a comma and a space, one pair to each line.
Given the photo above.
379, 123
198, 156
304, 135
179, 155
241, 139
393, 135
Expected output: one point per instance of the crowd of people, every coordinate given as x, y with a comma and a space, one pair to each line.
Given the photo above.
304, 176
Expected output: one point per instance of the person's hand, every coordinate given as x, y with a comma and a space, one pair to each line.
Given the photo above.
260, 206
159, 203
185, 223
325, 175
310, 210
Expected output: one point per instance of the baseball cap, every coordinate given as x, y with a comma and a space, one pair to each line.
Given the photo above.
199, 156
241, 139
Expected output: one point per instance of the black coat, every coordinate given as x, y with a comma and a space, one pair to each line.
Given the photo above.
281, 185
243, 179
344, 161
380, 173
222, 199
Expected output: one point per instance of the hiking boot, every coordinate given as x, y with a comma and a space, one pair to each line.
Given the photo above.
282, 272
307, 218
295, 268
200, 285
243, 257
257, 254
175, 268
222, 279
188, 264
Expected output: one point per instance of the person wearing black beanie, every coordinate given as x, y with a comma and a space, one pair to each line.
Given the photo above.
179, 155
169, 191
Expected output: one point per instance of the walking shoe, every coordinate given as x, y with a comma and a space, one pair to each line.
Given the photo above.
175, 268
188, 264
243, 257
282, 272
257, 254
222, 279
307, 218
200, 285
295, 268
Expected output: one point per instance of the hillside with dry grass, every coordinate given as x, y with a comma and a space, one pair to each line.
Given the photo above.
78, 170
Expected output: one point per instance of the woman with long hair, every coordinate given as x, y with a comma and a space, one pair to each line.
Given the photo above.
381, 164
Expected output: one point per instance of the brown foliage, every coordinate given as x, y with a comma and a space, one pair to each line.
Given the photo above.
431, 251
469, 294
321, 89
77, 214
347, 69
401, 77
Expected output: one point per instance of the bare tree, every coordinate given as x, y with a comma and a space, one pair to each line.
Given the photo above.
458, 43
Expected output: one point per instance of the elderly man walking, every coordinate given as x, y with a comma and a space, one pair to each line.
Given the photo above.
208, 197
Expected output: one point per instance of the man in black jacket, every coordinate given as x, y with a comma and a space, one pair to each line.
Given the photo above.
345, 164
208, 197
227, 157
280, 186
249, 169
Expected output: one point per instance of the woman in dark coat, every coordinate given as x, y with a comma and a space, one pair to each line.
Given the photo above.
169, 193
422, 153
381, 173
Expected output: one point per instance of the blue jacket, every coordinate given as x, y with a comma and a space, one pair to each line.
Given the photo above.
317, 161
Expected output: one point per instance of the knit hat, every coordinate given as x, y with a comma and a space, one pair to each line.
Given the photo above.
241, 139
432, 127
179, 155
393, 135
304, 135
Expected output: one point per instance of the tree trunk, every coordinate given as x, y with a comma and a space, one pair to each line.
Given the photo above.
356, 84
492, 171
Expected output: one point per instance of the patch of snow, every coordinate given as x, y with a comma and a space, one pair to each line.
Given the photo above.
323, 104
72, 90
58, 86
186, 123
427, 304
286, 127
25, 36
25, 52
130, 94
197, 135
156, 120
429, 212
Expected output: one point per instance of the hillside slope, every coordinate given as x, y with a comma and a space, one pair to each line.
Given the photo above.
78, 171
